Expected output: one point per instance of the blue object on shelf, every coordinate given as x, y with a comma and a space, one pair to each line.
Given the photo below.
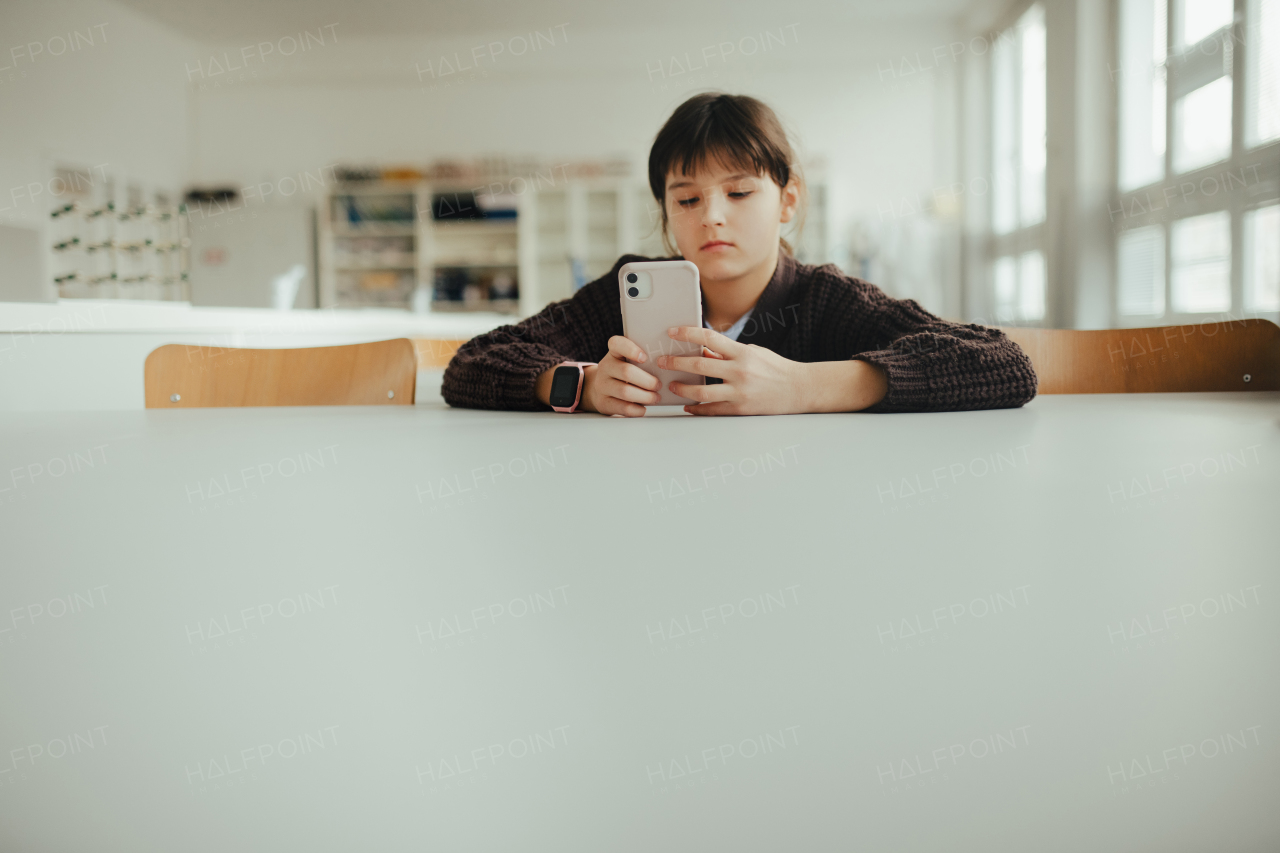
579, 273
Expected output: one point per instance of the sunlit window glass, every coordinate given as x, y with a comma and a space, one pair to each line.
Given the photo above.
1032, 119
1141, 272
1201, 252
1262, 259
1031, 283
1203, 17
1005, 274
1263, 87
1203, 129
1005, 155
1141, 77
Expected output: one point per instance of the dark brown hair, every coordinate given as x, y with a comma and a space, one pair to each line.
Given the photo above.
735, 130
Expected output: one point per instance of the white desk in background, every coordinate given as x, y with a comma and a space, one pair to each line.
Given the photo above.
430, 629
88, 355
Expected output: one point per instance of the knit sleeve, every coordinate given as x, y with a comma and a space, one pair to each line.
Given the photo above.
931, 364
499, 369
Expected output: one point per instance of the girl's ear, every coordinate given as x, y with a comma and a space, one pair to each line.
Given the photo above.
790, 199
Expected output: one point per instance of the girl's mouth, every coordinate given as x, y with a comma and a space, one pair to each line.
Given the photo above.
715, 244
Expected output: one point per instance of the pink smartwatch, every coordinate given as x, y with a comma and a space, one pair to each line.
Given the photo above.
566, 385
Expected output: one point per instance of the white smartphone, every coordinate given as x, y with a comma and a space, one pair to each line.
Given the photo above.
657, 295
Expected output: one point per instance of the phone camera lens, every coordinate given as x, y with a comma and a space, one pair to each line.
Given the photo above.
633, 292
633, 278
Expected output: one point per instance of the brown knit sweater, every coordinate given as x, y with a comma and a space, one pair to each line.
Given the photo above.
805, 313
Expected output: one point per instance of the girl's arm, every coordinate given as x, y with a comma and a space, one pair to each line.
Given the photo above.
929, 364
500, 369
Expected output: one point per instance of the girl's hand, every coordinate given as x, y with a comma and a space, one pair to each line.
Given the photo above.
616, 386
758, 381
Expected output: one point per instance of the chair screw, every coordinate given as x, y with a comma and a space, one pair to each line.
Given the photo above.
1248, 377
173, 398
392, 394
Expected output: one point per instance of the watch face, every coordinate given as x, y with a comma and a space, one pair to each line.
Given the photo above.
564, 387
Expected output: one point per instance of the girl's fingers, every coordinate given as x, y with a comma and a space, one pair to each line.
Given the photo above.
708, 338
702, 393
635, 376
624, 391
693, 364
621, 408
624, 347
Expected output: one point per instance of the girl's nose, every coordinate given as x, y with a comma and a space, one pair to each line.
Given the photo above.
713, 208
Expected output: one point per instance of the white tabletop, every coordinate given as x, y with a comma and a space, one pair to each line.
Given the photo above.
418, 628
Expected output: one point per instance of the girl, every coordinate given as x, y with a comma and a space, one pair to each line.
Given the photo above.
794, 338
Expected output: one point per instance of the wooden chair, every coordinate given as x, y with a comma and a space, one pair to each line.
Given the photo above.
382, 373
1234, 355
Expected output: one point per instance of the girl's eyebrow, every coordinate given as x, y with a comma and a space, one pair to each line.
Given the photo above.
679, 184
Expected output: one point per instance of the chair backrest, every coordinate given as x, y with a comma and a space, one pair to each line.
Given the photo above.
1234, 355
374, 374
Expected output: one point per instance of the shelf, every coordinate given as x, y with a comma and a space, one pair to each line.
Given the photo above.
585, 218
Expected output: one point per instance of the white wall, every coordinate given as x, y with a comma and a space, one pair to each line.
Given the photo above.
851, 99
119, 103
88, 84
146, 102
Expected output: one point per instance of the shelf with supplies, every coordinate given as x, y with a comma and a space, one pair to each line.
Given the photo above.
466, 239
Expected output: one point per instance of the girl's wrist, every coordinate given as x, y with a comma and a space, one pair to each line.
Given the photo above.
842, 386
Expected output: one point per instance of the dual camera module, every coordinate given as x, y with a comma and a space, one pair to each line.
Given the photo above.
639, 285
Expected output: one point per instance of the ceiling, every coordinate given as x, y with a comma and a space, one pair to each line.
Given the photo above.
228, 20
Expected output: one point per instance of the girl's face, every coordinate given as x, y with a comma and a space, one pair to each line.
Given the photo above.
727, 220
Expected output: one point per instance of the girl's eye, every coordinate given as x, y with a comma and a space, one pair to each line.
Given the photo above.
742, 194
688, 202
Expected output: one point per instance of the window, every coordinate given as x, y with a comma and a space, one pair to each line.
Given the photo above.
1143, 48
1201, 18
1018, 159
1263, 77
1190, 193
1018, 66
1262, 259
1031, 286
1202, 264
1203, 133
1019, 287
1031, 150
1141, 253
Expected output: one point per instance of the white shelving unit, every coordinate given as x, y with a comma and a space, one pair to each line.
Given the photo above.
574, 234
398, 256
381, 248
391, 253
